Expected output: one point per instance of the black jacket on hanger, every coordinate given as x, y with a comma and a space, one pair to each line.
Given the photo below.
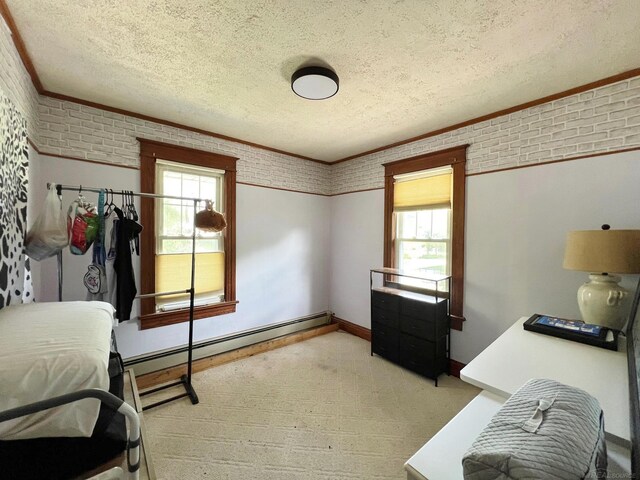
126, 290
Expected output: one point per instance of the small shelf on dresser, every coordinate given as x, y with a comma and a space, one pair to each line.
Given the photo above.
410, 325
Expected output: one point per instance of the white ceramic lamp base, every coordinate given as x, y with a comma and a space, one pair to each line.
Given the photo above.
603, 302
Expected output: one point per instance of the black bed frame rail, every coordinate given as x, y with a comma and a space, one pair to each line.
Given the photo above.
113, 402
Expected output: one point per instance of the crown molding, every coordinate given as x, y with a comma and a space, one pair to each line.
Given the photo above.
556, 96
20, 47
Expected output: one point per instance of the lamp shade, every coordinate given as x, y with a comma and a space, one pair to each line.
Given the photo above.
605, 251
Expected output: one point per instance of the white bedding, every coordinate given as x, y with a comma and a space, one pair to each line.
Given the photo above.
46, 350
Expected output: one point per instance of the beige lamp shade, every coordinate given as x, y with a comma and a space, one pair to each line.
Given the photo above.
605, 251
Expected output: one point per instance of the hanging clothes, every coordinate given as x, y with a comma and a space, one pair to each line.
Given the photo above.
111, 243
127, 229
96, 277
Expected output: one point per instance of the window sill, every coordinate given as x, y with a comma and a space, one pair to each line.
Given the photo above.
456, 322
162, 319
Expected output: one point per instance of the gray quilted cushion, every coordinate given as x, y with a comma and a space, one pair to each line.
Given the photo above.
545, 430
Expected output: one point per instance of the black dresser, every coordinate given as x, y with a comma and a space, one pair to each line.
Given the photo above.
411, 329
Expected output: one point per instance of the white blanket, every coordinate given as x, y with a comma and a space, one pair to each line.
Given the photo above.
49, 349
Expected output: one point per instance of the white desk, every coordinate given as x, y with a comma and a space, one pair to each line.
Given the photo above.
441, 457
518, 355
503, 367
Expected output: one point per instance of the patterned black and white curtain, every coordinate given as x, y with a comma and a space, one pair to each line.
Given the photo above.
15, 277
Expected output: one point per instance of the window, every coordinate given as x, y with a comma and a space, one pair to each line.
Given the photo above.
424, 219
174, 230
422, 215
167, 241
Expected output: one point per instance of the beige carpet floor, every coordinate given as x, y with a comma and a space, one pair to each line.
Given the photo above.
316, 410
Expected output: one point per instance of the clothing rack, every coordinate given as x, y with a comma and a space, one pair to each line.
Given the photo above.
185, 380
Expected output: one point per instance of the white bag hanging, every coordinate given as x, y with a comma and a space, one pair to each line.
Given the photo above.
48, 235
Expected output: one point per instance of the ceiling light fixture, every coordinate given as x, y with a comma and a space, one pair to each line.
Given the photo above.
315, 83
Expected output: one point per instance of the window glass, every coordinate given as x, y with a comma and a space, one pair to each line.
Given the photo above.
440, 224
174, 233
423, 241
424, 224
175, 217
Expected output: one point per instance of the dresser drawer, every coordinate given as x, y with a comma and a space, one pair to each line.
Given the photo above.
422, 356
418, 348
417, 308
419, 327
385, 301
427, 369
385, 317
431, 325
384, 341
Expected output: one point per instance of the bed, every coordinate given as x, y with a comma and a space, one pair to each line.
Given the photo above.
48, 350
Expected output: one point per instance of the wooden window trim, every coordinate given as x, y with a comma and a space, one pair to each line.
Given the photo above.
150, 151
456, 157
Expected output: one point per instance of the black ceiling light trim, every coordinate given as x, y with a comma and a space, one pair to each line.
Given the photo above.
315, 83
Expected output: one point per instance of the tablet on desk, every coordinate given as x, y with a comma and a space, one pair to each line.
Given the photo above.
575, 330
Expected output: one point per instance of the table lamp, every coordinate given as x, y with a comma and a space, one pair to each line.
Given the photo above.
602, 252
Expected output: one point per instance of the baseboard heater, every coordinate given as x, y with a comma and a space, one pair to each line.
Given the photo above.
171, 357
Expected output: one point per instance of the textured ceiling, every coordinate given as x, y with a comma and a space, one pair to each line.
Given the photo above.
405, 67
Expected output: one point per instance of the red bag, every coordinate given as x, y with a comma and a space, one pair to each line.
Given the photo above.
83, 224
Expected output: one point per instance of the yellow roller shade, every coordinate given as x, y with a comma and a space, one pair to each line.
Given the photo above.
173, 272
422, 192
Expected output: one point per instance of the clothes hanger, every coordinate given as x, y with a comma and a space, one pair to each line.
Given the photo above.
137, 228
82, 200
125, 207
130, 207
134, 213
107, 204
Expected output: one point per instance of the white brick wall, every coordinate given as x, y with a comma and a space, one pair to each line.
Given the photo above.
595, 121
79, 131
16, 83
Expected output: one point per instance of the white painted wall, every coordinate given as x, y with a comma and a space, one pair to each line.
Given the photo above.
515, 229
516, 226
357, 241
290, 245
282, 248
